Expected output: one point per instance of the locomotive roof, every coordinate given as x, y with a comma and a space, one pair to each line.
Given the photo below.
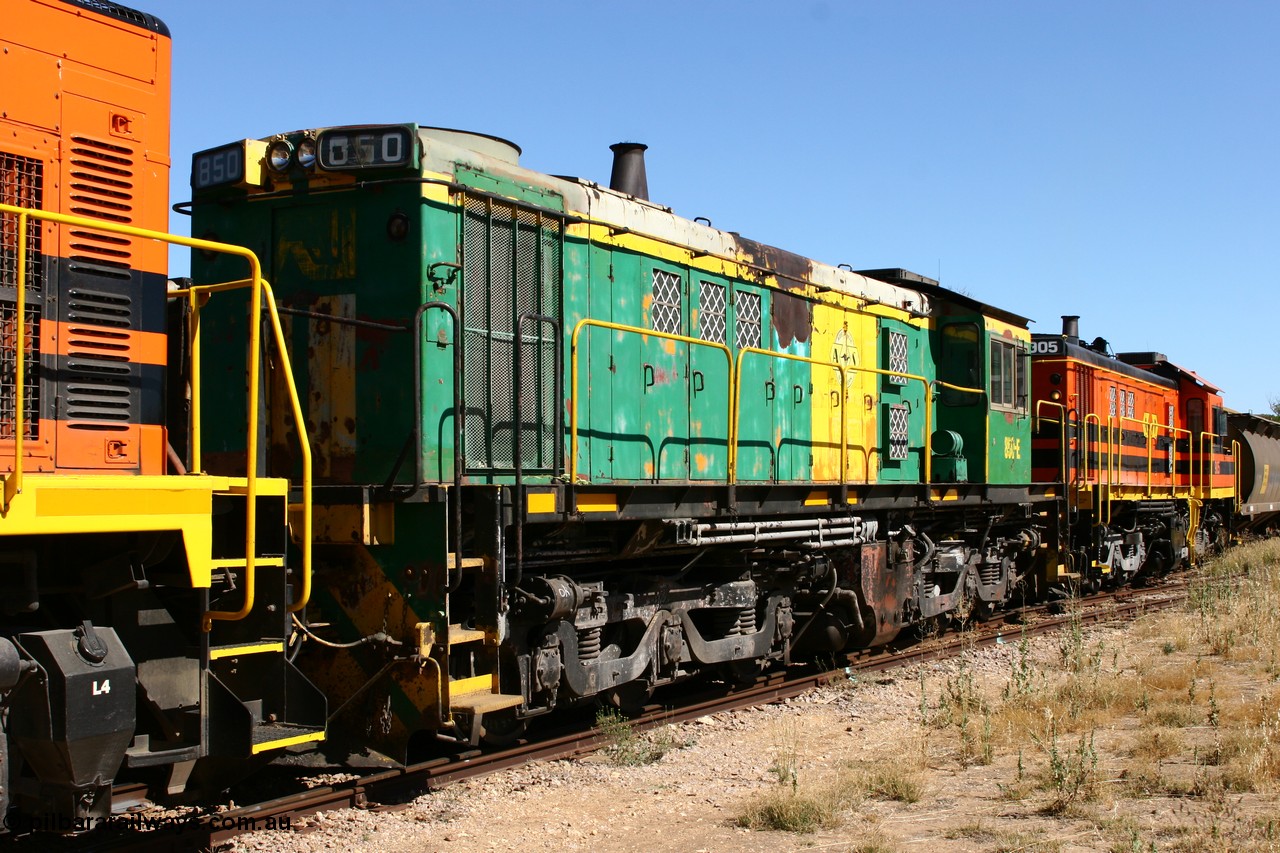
1072, 348
1157, 363
932, 287
628, 214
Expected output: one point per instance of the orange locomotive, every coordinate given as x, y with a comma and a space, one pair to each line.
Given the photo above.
86, 131
1140, 445
129, 640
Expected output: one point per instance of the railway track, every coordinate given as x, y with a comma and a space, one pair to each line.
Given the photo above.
396, 788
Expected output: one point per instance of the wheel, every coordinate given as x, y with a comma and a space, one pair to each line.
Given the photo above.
502, 728
629, 698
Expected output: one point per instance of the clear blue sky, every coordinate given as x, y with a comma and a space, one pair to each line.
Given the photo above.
1116, 160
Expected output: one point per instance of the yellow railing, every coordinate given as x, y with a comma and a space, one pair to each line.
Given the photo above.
1235, 468
618, 327
734, 399
986, 422
1206, 460
737, 406
13, 482
1038, 419
194, 296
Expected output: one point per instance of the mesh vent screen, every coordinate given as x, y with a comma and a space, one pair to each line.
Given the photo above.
22, 185
511, 267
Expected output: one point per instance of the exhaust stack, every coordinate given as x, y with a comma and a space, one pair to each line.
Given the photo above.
1071, 327
628, 169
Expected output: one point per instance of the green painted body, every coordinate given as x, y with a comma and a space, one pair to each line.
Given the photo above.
649, 409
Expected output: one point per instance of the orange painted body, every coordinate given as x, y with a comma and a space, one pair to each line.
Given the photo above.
84, 130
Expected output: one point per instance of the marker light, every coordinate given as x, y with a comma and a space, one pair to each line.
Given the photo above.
307, 153
278, 155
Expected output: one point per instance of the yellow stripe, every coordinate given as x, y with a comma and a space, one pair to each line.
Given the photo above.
474, 684
238, 562
817, 499
600, 502
90, 502
542, 502
944, 494
236, 651
287, 741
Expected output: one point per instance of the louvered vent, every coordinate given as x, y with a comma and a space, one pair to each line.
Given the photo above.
21, 184
97, 389
101, 186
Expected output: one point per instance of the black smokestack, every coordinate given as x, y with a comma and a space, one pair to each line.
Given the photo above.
1071, 326
628, 169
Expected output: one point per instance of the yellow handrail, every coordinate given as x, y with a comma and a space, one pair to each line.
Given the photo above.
986, 423
737, 406
194, 293
13, 483
1235, 469
1191, 470
928, 410
1206, 477
618, 327
1062, 423
1144, 423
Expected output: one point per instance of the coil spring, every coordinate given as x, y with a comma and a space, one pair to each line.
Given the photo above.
990, 571
747, 620
590, 643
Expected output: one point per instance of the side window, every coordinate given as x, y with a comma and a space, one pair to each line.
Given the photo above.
711, 312
746, 319
1008, 375
665, 312
1195, 416
1111, 397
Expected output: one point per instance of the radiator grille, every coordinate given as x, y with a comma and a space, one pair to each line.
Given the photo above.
22, 185
511, 267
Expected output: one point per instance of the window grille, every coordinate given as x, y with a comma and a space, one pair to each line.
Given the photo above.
747, 319
899, 432
898, 358
711, 312
665, 312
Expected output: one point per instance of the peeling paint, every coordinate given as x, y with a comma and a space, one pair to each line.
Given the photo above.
792, 319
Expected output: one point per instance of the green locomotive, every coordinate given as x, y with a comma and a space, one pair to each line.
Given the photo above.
569, 445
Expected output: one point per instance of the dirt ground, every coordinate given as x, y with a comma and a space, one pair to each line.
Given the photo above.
1135, 738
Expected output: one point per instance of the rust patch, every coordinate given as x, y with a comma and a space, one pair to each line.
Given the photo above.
792, 318
884, 586
793, 270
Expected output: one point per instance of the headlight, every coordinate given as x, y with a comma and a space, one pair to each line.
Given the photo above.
307, 153
278, 155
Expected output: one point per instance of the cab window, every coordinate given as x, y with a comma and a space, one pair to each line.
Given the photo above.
1008, 375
